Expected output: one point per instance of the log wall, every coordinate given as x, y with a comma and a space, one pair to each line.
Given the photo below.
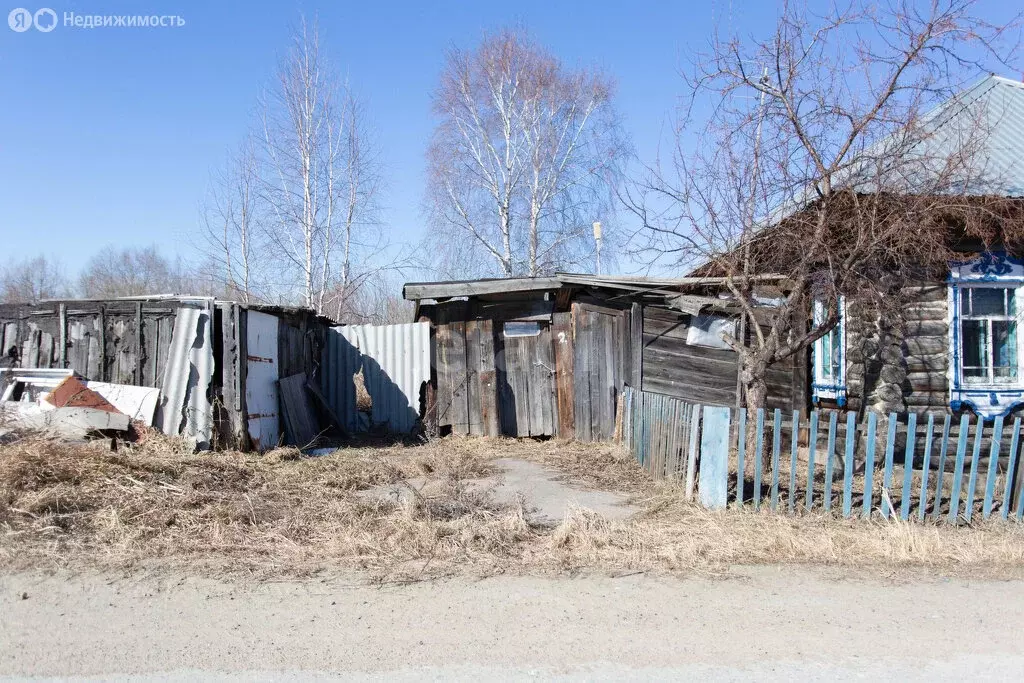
899, 362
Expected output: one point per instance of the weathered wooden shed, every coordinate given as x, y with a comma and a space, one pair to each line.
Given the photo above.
549, 356
217, 363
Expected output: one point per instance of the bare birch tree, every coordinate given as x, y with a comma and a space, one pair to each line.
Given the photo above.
524, 157
320, 181
816, 158
234, 225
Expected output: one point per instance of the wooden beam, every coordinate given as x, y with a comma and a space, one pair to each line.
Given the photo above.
138, 343
636, 345
63, 336
102, 316
443, 290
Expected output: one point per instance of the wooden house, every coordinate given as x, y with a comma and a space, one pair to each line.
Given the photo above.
952, 345
549, 356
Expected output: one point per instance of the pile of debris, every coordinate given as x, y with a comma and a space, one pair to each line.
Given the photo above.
62, 404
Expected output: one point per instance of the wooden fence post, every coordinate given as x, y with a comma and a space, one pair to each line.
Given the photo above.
714, 458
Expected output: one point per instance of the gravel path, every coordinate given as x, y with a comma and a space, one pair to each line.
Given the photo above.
777, 623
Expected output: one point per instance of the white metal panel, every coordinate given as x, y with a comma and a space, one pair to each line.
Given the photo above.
261, 377
184, 407
395, 360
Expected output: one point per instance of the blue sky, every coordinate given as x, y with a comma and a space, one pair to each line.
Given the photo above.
109, 136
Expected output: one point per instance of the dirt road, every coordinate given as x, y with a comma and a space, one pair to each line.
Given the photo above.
778, 623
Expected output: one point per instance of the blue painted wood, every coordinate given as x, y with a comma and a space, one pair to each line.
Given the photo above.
713, 492
691, 455
1020, 507
908, 466
890, 447
776, 447
925, 467
741, 454
851, 442
958, 468
972, 483
940, 474
812, 446
830, 457
869, 465
792, 460
640, 425
1011, 466
758, 458
993, 468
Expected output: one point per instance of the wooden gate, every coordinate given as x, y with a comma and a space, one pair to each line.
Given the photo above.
526, 380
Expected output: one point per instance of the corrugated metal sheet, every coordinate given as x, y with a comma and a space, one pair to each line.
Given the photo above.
987, 120
975, 138
185, 406
395, 360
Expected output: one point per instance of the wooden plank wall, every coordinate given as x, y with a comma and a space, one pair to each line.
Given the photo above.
701, 374
301, 340
452, 377
124, 342
922, 369
563, 382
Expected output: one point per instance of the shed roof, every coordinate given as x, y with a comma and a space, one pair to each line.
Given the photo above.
415, 291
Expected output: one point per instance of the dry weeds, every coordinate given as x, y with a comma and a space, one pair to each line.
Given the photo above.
281, 514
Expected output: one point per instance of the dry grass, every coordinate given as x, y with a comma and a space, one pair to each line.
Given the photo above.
157, 506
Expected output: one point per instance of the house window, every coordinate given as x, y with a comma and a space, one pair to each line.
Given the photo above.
828, 357
988, 333
521, 329
984, 345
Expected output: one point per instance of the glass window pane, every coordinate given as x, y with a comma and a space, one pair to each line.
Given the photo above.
1011, 302
825, 348
1004, 350
975, 340
965, 301
836, 340
988, 301
522, 329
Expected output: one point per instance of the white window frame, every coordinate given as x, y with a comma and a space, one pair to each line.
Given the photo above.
992, 396
990, 381
824, 387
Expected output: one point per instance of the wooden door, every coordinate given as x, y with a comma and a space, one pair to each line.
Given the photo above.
599, 356
526, 379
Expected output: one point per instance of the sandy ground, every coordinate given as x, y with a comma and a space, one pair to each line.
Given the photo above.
546, 494
775, 623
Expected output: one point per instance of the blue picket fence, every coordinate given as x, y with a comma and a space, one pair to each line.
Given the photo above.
935, 466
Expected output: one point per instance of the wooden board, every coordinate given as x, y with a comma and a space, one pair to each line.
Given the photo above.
487, 381
301, 426
562, 339
542, 385
474, 421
